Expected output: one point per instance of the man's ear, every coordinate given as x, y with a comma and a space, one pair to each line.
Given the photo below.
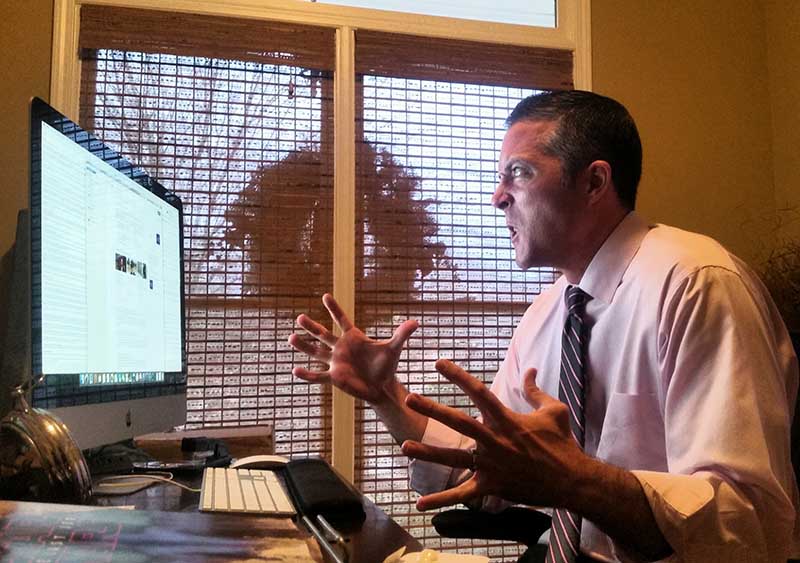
598, 180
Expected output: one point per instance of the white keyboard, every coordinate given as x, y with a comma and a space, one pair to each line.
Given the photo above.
253, 491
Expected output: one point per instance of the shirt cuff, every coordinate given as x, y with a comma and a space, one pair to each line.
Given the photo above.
685, 508
428, 477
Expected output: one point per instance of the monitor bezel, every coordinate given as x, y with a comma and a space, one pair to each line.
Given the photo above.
99, 422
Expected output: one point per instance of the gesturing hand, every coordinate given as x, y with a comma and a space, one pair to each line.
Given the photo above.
358, 365
524, 458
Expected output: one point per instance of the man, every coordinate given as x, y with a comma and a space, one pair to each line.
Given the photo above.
667, 435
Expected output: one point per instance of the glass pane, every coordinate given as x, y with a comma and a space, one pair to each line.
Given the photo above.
248, 148
541, 13
432, 248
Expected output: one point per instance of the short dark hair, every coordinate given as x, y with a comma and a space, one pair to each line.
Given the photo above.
590, 127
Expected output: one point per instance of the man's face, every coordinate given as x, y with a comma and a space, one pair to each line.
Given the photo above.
541, 213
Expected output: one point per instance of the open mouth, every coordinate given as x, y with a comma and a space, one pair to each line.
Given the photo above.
513, 232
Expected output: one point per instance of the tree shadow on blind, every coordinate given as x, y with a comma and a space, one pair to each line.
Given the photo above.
283, 221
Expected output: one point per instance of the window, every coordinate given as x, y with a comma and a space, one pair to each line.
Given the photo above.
525, 12
263, 138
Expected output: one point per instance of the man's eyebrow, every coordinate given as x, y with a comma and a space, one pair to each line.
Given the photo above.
518, 160
507, 168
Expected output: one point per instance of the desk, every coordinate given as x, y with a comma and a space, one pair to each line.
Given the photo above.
167, 526
378, 537
244, 535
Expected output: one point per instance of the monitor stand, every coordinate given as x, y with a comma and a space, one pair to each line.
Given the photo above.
98, 425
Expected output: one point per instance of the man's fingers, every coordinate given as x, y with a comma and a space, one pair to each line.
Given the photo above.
317, 330
462, 494
454, 418
535, 396
312, 376
336, 312
316, 352
489, 405
452, 457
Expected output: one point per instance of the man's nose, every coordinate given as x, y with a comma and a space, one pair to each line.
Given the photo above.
500, 197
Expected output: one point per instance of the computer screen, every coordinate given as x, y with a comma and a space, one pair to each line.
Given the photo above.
107, 327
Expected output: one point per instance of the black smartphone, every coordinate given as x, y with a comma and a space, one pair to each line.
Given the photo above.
186, 465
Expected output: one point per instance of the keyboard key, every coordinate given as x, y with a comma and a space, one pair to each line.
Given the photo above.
220, 490
249, 494
235, 501
260, 486
205, 499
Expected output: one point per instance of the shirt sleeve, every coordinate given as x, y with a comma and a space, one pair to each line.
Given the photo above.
728, 493
427, 477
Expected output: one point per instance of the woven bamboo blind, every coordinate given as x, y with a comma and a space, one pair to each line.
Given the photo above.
244, 136
175, 33
235, 117
430, 58
442, 255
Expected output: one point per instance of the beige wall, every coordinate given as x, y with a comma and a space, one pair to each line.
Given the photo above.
25, 44
783, 50
713, 91
695, 78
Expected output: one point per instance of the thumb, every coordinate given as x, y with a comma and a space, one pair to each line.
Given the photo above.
402, 333
535, 396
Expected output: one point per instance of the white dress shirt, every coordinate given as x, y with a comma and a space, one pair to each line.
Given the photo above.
691, 385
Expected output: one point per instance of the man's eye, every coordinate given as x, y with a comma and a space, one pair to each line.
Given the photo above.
518, 172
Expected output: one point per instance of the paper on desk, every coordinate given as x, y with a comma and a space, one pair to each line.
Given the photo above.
287, 550
432, 556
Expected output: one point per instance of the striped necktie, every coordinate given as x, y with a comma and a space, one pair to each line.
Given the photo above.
565, 532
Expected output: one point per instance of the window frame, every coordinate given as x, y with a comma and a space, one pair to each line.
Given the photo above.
572, 32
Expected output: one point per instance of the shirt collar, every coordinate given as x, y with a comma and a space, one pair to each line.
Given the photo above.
605, 271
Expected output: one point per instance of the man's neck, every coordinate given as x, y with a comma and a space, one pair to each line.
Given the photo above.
593, 240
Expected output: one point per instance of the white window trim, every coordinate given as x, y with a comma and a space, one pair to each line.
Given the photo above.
573, 32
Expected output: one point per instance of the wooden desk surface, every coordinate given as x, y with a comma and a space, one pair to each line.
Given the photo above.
378, 536
46, 533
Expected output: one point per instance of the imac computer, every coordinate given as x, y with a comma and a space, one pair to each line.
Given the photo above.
106, 330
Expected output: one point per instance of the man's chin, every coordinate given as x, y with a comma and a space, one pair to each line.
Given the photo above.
526, 263
522, 264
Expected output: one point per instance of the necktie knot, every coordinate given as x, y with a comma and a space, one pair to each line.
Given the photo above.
576, 300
